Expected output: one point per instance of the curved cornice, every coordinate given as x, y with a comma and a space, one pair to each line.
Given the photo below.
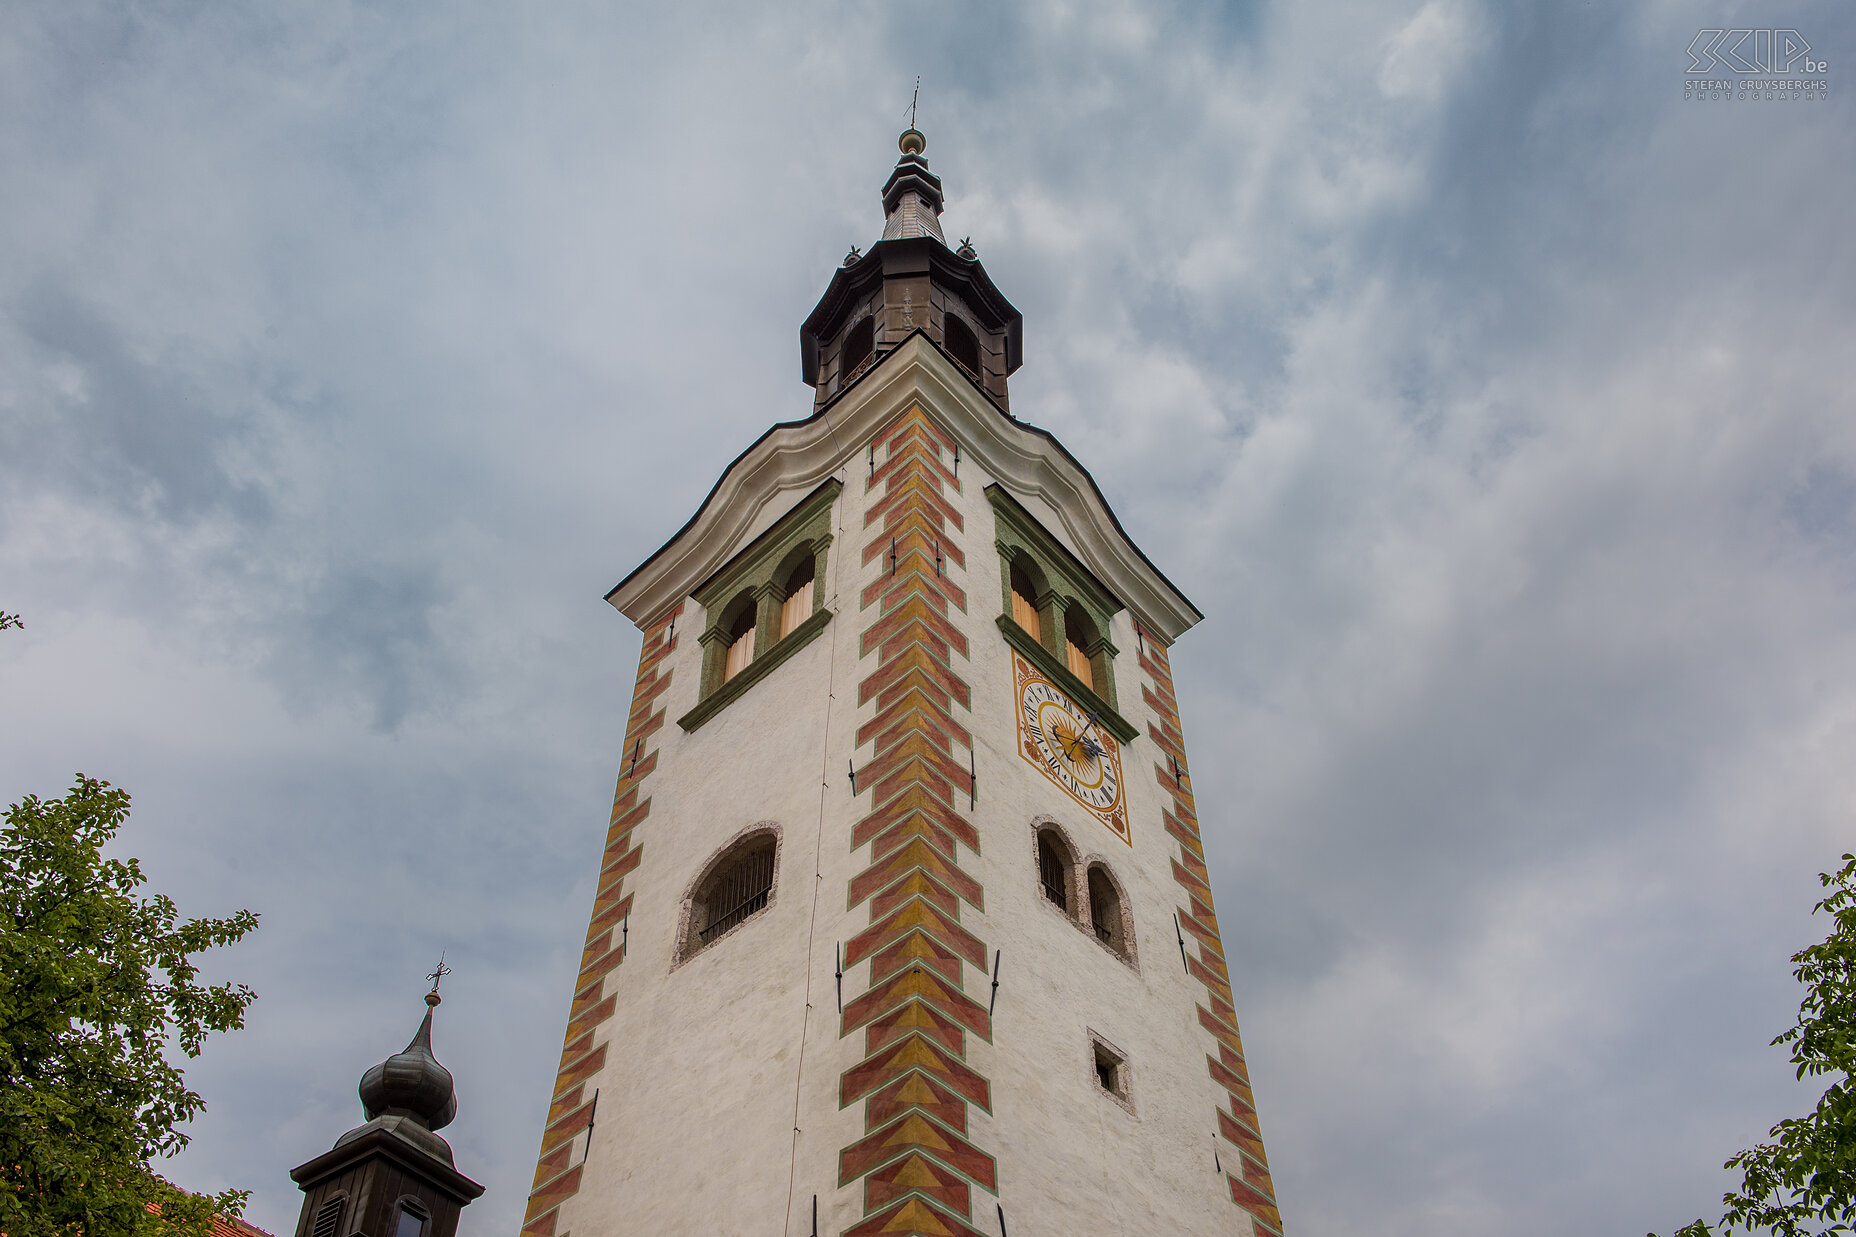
792, 458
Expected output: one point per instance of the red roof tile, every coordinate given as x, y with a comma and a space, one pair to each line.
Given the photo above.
225, 1226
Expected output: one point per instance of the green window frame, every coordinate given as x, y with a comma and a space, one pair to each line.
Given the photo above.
756, 579
1063, 587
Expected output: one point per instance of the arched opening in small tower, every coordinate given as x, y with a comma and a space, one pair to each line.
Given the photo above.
797, 589
1024, 600
859, 343
963, 345
1107, 915
740, 641
1079, 634
412, 1219
737, 886
1054, 869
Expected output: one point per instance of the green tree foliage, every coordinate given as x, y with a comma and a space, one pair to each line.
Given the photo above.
1806, 1176
97, 984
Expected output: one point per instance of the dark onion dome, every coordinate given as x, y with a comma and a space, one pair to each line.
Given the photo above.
412, 1083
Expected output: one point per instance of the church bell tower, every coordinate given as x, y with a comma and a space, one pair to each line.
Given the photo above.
903, 922
393, 1176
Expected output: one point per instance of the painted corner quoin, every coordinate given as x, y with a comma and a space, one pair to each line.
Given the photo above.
915, 1161
1237, 1125
557, 1177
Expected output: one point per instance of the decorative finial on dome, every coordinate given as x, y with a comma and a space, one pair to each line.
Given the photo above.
912, 196
438, 973
411, 1083
966, 249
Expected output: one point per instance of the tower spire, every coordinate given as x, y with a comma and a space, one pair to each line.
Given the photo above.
394, 1175
912, 198
910, 281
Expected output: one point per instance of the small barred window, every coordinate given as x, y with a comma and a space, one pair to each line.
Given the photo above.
1054, 870
737, 886
1107, 916
1106, 1069
1111, 1066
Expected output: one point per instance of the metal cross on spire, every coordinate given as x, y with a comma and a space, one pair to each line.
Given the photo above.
438, 973
913, 99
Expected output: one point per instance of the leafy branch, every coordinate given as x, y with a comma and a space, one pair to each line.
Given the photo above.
1806, 1176
96, 984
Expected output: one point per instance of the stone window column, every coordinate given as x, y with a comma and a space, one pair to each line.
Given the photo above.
1101, 655
767, 601
714, 643
1051, 607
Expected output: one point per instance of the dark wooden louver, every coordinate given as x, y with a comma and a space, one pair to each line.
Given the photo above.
328, 1220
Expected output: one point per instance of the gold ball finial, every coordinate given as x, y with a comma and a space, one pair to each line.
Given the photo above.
912, 142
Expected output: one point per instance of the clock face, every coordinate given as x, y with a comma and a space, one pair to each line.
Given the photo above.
1071, 748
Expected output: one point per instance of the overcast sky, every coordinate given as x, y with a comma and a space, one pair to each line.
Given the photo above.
1491, 400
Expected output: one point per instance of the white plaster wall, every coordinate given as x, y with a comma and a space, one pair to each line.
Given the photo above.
1071, 1160
719, 1099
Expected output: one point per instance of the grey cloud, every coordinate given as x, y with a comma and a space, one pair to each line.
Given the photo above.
139, 434
367, 632
1822, 507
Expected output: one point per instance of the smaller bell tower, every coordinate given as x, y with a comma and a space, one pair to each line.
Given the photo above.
394, 1176
911, 281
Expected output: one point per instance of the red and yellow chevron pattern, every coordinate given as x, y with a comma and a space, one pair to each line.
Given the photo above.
917, 1167
1250, 1185
556, 1179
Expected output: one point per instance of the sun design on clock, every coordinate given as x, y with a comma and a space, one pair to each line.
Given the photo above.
1070, 747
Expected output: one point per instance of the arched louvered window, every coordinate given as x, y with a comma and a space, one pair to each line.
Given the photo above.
764, 604
1054, 869
963, 346
1070, 642
1079, 636
859, 343
1107, 916
740, 643
797, 588
1025, 601
328, 1221
412, 1220
737, 886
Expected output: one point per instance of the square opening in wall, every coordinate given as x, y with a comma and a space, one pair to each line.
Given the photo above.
1111, 1071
